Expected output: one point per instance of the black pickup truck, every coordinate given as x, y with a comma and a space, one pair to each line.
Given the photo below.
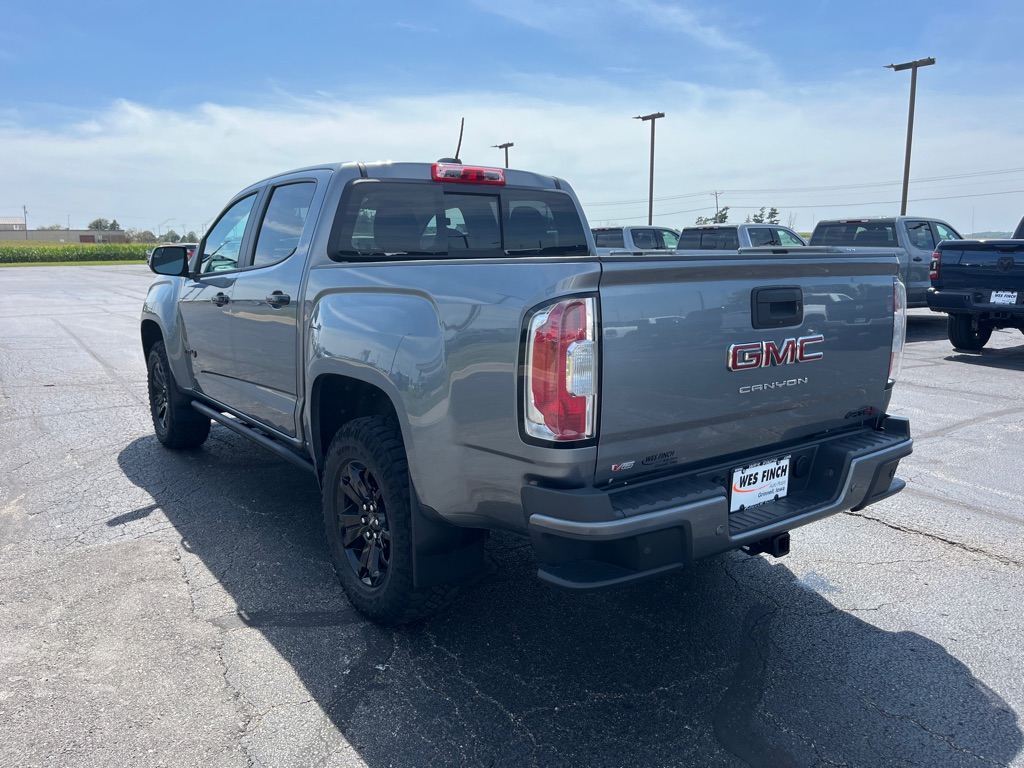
980, 285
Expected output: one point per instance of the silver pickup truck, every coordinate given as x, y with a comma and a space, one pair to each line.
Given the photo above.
911, 238
634, 239
727, 237
441, 347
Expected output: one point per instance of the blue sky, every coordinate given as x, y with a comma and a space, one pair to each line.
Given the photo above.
156, 114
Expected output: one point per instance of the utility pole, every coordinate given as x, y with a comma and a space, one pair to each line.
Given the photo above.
716, 194
504, 146
650, 194
24, 212
913, 67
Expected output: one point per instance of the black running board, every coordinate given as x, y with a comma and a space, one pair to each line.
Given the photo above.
257, 437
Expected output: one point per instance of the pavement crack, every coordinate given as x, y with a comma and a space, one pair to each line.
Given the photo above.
942, 540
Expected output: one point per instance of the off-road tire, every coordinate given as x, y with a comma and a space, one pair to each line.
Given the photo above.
963, 336
176, 423
367, 520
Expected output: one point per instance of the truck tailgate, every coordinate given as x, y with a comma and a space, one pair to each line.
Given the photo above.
704, 358
991, 265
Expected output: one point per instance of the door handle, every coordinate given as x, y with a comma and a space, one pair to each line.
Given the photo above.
278, 299
918, 258
220, 299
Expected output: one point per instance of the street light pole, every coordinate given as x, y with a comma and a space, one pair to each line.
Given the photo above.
650, 194
504, 146
913, 67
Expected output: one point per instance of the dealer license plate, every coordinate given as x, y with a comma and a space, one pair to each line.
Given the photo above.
1004, 297
759, 483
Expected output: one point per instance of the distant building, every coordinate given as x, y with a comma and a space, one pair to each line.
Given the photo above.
58, 235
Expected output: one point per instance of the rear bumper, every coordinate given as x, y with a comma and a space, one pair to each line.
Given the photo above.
971, 302
590, 538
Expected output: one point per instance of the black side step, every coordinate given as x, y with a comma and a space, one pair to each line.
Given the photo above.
258, 437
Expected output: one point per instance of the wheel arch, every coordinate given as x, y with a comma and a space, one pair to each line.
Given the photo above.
337, 399
151, 334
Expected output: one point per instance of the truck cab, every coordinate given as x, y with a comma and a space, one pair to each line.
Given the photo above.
911, 238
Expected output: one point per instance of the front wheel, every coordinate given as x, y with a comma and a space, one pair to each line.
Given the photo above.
964, 335
367, 519
176, 423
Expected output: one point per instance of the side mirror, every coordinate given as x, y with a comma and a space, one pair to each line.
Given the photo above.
170, 260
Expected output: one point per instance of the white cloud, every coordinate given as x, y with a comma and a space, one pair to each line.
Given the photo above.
143, 166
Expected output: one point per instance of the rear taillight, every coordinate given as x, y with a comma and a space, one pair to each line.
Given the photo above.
467, 174
899, 330
933, 270
561, 371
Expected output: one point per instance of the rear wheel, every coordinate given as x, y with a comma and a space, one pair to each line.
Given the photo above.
964, 335
367, 519
176, 423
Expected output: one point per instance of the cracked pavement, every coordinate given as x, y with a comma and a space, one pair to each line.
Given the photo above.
179, 609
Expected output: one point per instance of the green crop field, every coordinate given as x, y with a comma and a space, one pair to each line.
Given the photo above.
70, 253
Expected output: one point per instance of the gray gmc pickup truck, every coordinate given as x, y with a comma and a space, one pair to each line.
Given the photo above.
442, 348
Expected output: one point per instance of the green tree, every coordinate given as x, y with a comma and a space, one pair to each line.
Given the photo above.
52, 227
191, 237
721, 217
171, 236
772, 217
99, 224
114, 225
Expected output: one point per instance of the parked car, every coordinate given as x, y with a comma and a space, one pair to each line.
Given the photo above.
980, 285
911, 238
729, 237
634, 239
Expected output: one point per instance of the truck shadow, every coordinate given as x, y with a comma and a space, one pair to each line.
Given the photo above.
1004, 358
733, 662
925, 327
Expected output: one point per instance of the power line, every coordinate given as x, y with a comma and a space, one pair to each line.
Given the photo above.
827, 205
831, 188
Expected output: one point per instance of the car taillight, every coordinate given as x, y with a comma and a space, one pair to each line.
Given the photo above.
561, 371
899, 330
933, 270
467, 174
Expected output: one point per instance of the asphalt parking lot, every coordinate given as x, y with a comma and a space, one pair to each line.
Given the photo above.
179, 609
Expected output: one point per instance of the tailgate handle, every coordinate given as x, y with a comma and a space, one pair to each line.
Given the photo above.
777, 306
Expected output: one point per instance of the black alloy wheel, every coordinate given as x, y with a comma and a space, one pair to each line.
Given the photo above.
363, 524
176, 423
367, 520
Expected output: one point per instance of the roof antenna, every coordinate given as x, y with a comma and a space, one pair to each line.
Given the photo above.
458, 149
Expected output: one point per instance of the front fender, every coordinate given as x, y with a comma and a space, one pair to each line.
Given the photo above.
160, 310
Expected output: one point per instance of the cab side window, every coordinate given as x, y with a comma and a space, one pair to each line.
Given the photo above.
921, 235
669, 239
223, 243
760, 236
944, 232
787, 239
283, 221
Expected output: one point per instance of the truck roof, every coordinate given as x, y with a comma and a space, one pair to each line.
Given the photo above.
421, 170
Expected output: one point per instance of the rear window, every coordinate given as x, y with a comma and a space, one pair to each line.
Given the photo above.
396, 219
869, 234
609, 238
708, 240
